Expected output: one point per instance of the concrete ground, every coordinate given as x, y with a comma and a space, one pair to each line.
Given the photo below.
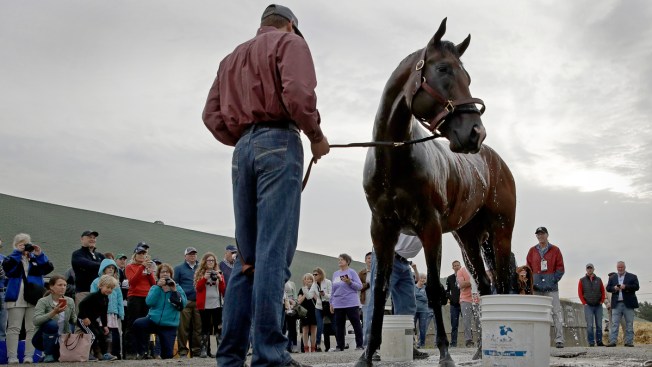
567, 357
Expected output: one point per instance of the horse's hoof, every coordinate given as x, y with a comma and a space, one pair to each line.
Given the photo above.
363, 362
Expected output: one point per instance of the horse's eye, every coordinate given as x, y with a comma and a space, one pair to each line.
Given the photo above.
444, 69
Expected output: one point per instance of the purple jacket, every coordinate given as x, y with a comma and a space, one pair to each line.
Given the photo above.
346, 295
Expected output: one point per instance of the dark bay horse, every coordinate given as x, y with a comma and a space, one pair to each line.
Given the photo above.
428, 189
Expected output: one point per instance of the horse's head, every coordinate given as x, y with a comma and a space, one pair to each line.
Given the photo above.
438, 94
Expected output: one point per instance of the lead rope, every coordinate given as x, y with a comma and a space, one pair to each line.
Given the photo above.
389, 144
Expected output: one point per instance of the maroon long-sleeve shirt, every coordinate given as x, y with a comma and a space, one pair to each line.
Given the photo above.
268, 78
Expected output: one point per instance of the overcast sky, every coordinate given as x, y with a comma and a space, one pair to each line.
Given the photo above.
101, 101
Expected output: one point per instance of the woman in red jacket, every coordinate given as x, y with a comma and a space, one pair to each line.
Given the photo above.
141, 278
210, 286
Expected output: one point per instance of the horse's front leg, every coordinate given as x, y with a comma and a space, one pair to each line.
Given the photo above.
384, 238
431, 239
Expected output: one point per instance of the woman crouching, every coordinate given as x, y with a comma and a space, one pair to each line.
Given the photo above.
53, 316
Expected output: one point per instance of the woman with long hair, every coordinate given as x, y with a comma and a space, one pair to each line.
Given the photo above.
141, 278
24, 268
210, 287
323, 289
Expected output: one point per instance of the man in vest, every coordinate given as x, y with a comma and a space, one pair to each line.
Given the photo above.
592, 295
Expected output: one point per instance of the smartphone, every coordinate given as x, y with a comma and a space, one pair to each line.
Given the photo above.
62, 302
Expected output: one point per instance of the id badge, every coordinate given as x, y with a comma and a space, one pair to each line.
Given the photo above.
544, 265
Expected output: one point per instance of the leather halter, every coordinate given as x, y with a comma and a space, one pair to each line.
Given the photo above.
450, 106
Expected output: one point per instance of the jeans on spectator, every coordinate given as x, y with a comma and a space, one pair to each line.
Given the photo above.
557, 314
365, 322
143, 327
320, 325
267, 169
353, 314
619, 310
401, 285
3, 317
423, 319
43, 338
455, 310
471, 319
593, 317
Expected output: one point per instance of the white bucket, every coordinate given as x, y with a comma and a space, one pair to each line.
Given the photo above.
398, 339
515, 330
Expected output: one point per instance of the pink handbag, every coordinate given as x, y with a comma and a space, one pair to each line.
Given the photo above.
75, 347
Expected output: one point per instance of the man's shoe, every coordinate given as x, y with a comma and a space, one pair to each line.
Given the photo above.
600, 344
318, 349
375, 357
591, 345
629, 345
417, 354
611, 345
294, 363
559, 345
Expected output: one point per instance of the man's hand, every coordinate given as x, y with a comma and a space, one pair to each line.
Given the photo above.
320, 149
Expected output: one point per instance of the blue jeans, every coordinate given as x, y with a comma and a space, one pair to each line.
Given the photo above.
3, 317
142, 329
456, 311
423, 319
401, 285
320, 325
593, 317
45, 338
618, 310
266, 173
365, 323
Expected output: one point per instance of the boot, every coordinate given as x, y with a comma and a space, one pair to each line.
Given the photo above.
204, 350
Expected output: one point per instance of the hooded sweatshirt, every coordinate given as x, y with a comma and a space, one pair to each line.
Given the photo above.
116, 305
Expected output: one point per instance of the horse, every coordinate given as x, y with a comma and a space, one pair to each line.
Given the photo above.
428, 189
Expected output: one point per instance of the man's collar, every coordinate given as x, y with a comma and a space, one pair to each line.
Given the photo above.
191, 265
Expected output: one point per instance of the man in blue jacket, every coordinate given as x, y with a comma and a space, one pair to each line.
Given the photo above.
623, 287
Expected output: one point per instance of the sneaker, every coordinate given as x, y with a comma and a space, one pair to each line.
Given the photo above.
28, 360
417, 354
359, 348
295, 349
91, 358
294, 363
375, 357
109, 357
49, 358
559, 345
12, 360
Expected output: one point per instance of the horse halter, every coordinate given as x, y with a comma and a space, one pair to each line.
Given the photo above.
464, 105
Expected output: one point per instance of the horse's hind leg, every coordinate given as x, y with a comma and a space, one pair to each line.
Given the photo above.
384, 238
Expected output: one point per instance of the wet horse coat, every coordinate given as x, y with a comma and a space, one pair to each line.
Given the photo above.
428, 189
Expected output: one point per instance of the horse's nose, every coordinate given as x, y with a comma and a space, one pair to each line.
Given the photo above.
478, 133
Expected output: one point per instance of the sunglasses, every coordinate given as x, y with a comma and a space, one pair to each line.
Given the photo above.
315, 274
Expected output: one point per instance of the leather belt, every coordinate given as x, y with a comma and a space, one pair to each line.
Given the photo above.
288, 125
400, 258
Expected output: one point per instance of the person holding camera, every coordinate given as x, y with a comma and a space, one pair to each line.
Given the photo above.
24, 268
345, 302
49, 311
623, 287
210, 287
165, 301
141, 279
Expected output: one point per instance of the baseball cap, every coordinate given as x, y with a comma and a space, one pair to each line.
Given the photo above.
589, 265
286, 13
231, 248
120, 256
139, 249
541, 229
143, 244
157, 261
89, 232
190, 250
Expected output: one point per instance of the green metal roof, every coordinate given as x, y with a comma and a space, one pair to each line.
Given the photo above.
57, 230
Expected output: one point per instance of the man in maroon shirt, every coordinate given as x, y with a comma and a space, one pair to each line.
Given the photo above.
262, 97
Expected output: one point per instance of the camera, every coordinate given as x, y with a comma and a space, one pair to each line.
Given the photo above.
169, 282
28, 247
213, 275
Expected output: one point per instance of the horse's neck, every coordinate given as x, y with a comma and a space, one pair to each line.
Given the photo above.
394, 120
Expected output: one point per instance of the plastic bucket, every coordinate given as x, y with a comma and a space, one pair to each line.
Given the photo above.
398, 338
515, 330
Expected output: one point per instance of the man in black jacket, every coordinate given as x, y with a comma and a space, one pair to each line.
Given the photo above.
86, 263
453, 294
623, 287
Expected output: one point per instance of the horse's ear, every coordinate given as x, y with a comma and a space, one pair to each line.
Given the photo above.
462, 46
436, 39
